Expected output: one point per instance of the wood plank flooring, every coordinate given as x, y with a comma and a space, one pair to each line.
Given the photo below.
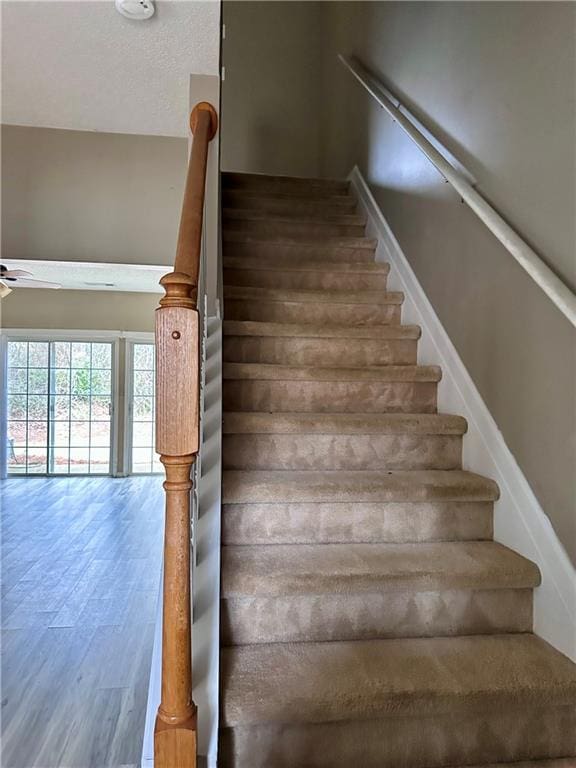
81, 564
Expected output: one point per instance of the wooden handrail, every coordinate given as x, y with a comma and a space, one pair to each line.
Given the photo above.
177, 442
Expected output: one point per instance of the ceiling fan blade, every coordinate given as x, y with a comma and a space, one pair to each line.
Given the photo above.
16, 273
4, 290
30, 282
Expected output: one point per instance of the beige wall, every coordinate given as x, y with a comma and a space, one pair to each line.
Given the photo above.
270, 116
78, 310
86, 196
496, 83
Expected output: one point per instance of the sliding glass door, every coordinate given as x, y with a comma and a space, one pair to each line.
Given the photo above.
142, 409
59, 412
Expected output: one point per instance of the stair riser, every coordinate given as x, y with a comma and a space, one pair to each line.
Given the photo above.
285, 185
308, 312
330, 396
299, 252
290, 206
330, 281
325, 618
326, 523
346, 452
318, 352
497, 734
281, 228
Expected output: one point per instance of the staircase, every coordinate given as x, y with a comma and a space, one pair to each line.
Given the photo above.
368, 617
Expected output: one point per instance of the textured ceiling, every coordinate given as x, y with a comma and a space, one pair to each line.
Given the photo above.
84, 276
82, 66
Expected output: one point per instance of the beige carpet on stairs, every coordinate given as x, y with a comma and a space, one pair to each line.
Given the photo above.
369, 620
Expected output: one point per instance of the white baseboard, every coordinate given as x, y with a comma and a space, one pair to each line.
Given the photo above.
520, 522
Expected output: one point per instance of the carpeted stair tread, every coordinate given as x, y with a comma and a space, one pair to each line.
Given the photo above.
270, 372
562, 762
250, 214
343, 423
254, 293
336, 681
342, 241
279, 200
358, 486
314, 569
312, 331
289, 265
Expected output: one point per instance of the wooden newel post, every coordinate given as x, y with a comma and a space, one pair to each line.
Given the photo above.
177, 443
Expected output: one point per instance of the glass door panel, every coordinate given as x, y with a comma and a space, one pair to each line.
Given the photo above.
59, 407
143, 456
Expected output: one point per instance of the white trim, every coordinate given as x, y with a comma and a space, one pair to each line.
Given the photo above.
559, 293
58, 334
3, 407
114, 419
520, 522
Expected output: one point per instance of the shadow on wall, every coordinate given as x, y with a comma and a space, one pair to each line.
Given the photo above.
517, 347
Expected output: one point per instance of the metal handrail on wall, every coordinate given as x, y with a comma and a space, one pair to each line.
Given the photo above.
543, 276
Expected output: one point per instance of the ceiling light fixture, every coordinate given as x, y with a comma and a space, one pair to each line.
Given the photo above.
138, 10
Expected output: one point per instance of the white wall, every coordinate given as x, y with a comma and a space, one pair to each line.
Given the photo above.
270, 95
44, 308
497, 83
83, 66
83, 196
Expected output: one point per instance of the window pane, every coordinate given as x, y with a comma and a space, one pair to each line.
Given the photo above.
38, 380
79, 433
100, 460
100, 408
38, 354
38, 433
61, 433
100, 435
79, 460
60, 460
81, 382
61, 382
144, 357
80, 408
16, 434
80, 354
17, 460
18, 353
143, 433
37, 459
17, 380
17, 406
101, 355
143, 408
60, 407
37, 407
143, 383
141, 460
101, 382
61, 354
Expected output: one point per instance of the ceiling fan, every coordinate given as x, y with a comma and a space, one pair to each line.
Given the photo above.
12, 278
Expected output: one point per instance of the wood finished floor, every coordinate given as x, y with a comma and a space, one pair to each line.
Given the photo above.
80, 573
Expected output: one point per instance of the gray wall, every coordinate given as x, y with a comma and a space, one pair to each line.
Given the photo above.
41, 308
85, 196
496, 83
270, 115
